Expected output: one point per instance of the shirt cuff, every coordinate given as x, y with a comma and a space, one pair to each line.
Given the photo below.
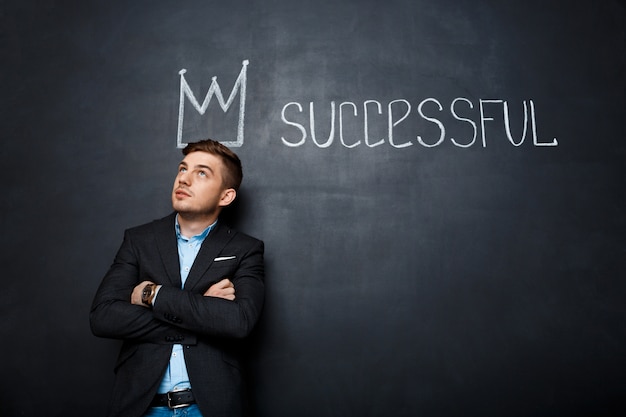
156, 293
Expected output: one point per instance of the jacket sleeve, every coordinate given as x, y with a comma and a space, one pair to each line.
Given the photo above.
217, 317
112, 314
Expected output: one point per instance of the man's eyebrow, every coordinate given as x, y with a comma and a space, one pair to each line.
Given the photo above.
200, 166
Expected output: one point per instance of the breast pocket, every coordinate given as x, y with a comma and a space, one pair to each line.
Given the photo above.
224, 263
220, 269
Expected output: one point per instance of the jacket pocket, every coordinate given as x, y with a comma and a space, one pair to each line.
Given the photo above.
127, 352
232, 360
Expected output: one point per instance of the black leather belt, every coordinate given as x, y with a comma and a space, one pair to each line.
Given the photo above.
174, 399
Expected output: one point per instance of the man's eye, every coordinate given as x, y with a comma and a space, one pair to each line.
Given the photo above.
182, 169
202, 173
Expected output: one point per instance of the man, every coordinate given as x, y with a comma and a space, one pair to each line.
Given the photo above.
182, 292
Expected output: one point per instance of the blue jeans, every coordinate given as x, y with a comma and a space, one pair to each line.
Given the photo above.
191, 411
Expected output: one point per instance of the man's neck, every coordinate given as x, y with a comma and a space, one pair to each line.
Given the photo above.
193, 225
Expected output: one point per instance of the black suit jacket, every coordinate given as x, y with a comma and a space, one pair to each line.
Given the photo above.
209, 328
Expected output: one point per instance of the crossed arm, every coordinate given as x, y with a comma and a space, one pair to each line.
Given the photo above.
118, 312
223, 289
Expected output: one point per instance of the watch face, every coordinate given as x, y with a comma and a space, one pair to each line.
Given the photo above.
146, 293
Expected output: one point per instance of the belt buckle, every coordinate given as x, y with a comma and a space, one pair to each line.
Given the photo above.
169, 400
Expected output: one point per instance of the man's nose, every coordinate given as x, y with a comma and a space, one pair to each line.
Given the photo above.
183, 178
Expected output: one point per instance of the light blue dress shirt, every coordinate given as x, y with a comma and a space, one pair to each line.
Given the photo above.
176, 377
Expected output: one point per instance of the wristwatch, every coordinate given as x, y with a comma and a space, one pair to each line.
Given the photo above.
148, 294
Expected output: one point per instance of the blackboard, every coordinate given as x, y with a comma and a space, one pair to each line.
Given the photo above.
439, 185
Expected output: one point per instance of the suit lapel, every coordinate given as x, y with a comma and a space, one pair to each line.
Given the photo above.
211, 247
168, 248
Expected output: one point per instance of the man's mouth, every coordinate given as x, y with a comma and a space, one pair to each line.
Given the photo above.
181, 193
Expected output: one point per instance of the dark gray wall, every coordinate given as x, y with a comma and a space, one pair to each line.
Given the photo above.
473, 277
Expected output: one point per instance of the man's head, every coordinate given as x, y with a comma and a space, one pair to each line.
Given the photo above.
232, 172
208, 179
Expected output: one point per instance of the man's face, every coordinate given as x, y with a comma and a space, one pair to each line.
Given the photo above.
198, 187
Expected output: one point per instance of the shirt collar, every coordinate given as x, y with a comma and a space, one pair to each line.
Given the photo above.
200, 236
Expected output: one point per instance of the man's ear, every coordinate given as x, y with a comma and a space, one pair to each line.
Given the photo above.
227, 197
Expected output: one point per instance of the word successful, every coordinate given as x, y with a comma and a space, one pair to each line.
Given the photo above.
399, 111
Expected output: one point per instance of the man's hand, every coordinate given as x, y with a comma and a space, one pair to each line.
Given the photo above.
135, 297
223, 289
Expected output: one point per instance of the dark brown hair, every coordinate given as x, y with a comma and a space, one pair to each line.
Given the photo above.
233, 173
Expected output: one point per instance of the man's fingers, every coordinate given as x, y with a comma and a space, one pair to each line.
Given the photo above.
222, 289
225, 283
